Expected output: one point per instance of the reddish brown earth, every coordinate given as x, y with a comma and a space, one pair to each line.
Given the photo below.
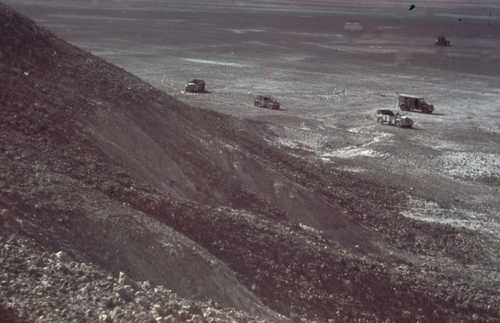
119, 174
8, 315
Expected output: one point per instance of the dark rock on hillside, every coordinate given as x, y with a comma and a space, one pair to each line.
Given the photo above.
122, 177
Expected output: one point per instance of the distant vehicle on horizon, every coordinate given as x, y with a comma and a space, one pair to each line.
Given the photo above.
442, 41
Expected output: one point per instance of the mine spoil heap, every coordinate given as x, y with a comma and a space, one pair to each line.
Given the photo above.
120, 204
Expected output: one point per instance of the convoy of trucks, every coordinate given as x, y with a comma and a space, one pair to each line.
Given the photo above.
406, 102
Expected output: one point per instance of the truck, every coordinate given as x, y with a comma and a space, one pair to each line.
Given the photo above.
388, 117
414, 103
195, 86
267, 102
442, 41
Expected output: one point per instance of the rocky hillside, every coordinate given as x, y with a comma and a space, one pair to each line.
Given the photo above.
81, 292
102, 174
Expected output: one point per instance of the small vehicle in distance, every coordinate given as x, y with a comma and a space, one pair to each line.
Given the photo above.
414, 103
442, 41
267, 102
195, 86
388, 117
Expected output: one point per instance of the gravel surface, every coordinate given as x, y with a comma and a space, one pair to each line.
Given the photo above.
51, 287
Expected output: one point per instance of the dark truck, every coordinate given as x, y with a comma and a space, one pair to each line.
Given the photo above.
195, 86
414, 103
442, 42
267, 102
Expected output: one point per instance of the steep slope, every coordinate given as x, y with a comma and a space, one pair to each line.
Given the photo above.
99, 164
50, 174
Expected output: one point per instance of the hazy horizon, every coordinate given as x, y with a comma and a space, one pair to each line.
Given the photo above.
474, 7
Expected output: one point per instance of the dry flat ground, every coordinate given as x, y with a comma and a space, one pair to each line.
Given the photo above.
330, 80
